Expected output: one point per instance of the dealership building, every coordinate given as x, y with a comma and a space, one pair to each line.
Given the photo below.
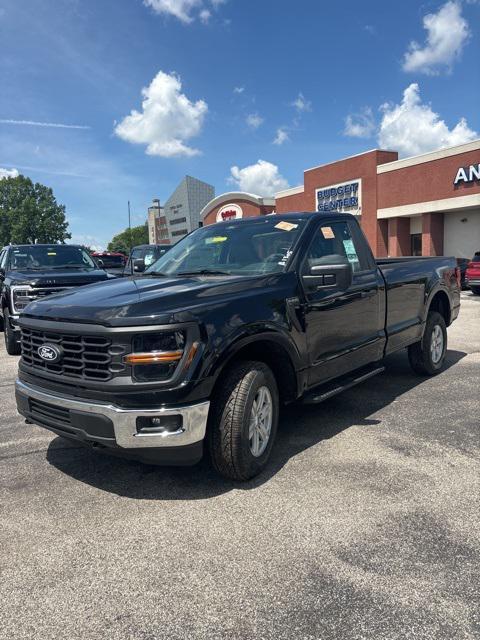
424, 205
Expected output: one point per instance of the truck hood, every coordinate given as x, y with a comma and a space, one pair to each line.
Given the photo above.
57, 277
146, 300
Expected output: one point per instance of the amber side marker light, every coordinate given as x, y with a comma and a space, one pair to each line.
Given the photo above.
156, 357
191, 354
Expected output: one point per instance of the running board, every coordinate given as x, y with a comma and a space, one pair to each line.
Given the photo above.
330, 389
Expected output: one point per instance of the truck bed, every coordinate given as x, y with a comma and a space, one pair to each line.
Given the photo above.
409, 282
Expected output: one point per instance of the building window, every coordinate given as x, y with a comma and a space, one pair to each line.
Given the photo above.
416, 244
183, 232
177, 221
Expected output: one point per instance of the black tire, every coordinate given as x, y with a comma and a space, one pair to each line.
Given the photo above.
420, 353
11, 345
476, 290
229, 422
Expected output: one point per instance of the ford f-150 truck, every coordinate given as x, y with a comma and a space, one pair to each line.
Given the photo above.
31, 271
238, 318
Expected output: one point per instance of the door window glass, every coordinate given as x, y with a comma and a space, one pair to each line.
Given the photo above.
333, 244
3, 259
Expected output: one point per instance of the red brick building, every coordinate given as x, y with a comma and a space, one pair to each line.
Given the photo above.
234, 205
423, 205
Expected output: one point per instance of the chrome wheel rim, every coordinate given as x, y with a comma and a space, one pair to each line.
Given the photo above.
436, 344
261, 418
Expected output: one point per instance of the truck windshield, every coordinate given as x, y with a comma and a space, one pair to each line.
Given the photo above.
239, 248
55, 256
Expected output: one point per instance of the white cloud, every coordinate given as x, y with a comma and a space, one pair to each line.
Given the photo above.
184, 10
301, 104
360, 125
413, 128
254, 120
262, 178
8, 173
95, 243
205, 16
167, 120
238, 89
447, 33
281, 136
34, 123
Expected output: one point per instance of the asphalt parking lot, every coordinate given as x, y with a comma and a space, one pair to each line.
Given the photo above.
367, 524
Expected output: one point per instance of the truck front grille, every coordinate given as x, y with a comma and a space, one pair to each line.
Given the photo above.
84, 357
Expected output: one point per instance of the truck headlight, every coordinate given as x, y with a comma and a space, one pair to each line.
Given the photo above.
20, 298
156, 356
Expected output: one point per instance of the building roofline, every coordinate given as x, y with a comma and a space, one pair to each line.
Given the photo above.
429, 157
290, 192
355, 155
236, 195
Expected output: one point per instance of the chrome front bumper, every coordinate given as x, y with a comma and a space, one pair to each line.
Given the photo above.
194, 419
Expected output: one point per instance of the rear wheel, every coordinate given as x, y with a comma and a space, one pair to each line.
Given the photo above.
11, 344
427, 356
243, 421
476, 290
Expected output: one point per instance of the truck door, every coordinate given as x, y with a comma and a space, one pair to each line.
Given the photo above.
344, 318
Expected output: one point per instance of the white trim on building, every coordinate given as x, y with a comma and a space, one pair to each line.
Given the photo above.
428, 157
293, 191
434, 206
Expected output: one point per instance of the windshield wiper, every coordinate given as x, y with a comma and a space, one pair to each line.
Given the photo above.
154, 273
204, 272
70, 266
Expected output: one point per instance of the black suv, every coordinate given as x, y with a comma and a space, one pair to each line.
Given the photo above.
30, 272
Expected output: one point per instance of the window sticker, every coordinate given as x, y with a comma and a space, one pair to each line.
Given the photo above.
350, 251
328, 233
286, 226
216, 239
285, 258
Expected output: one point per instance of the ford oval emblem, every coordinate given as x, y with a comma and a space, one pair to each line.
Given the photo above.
50, 353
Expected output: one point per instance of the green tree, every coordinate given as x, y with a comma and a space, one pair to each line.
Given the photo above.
125, 240
30, 213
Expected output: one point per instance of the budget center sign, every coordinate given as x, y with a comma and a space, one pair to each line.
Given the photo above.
345, 197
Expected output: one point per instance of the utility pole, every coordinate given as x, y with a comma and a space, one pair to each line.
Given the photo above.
130, 238
129, 228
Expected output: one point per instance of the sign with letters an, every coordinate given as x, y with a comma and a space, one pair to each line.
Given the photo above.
467, 174
345, 197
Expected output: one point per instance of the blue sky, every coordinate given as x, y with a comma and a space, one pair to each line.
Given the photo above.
226, 83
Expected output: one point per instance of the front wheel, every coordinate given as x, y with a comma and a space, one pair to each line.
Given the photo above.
476, 290
11, 343
243, 421
427, 356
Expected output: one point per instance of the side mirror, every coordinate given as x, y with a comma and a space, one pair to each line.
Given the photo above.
100, 263
329, 276
2, 272
139, 265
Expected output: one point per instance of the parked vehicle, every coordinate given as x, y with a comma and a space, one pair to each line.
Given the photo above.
144, 255
113, 262
29, 272
472, 276
235, 320
462, 264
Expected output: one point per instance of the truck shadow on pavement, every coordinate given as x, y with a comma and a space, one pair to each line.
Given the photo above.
301, 427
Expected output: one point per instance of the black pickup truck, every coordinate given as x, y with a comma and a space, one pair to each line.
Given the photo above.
235, 320
32, 271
